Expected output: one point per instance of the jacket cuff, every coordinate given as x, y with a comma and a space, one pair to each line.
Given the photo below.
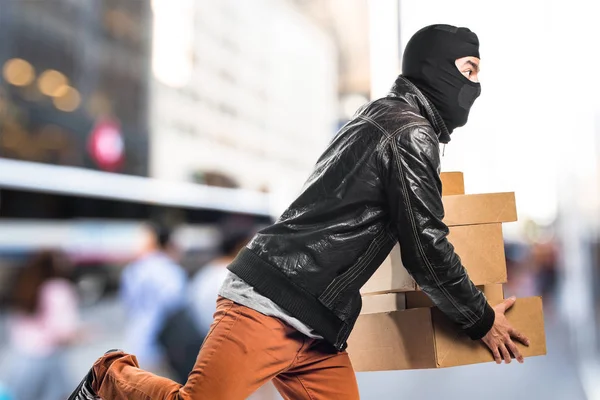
483, 326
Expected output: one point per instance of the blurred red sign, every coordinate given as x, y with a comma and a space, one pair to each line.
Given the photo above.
106, 145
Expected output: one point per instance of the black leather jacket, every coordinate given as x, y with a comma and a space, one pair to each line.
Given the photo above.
376, 184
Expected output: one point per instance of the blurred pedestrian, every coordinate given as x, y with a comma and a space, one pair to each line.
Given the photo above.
521, 280
545, 257
205, 284
152, 287
44, 321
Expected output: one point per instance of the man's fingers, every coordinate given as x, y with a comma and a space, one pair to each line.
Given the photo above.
515, 351
496, 354
508, 303
519, 336
505, 353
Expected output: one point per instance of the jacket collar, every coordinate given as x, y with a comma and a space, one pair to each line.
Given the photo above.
405, 89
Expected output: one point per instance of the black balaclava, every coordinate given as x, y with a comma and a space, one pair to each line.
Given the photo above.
429, 63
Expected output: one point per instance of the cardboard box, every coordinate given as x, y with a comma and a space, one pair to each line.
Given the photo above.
453, 183
480, 247
424, 338
481, 250
494, 293
471, 209
391, 276
383, 303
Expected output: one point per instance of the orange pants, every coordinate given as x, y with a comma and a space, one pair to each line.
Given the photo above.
243, 350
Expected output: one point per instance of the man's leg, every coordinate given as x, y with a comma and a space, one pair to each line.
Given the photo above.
243, 350
318, 373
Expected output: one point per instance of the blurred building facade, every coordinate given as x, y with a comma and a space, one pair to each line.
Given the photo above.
74, 84
348, 25
247, 89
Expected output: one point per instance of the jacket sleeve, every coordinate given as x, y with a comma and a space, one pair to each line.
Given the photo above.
414, 189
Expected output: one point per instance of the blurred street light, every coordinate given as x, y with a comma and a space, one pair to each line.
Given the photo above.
69, 101
53, 83
18, 72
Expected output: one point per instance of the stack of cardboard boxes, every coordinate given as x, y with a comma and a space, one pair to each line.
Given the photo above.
400, 329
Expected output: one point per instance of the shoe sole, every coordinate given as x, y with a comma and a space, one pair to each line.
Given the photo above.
75, 393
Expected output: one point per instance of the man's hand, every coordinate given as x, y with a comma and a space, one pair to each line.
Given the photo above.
499, 338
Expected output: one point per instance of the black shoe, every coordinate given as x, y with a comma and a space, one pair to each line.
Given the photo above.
84, 390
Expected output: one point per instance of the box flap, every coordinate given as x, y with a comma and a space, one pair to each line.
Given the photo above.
392, 341
452, 183
453, 347
472, 209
